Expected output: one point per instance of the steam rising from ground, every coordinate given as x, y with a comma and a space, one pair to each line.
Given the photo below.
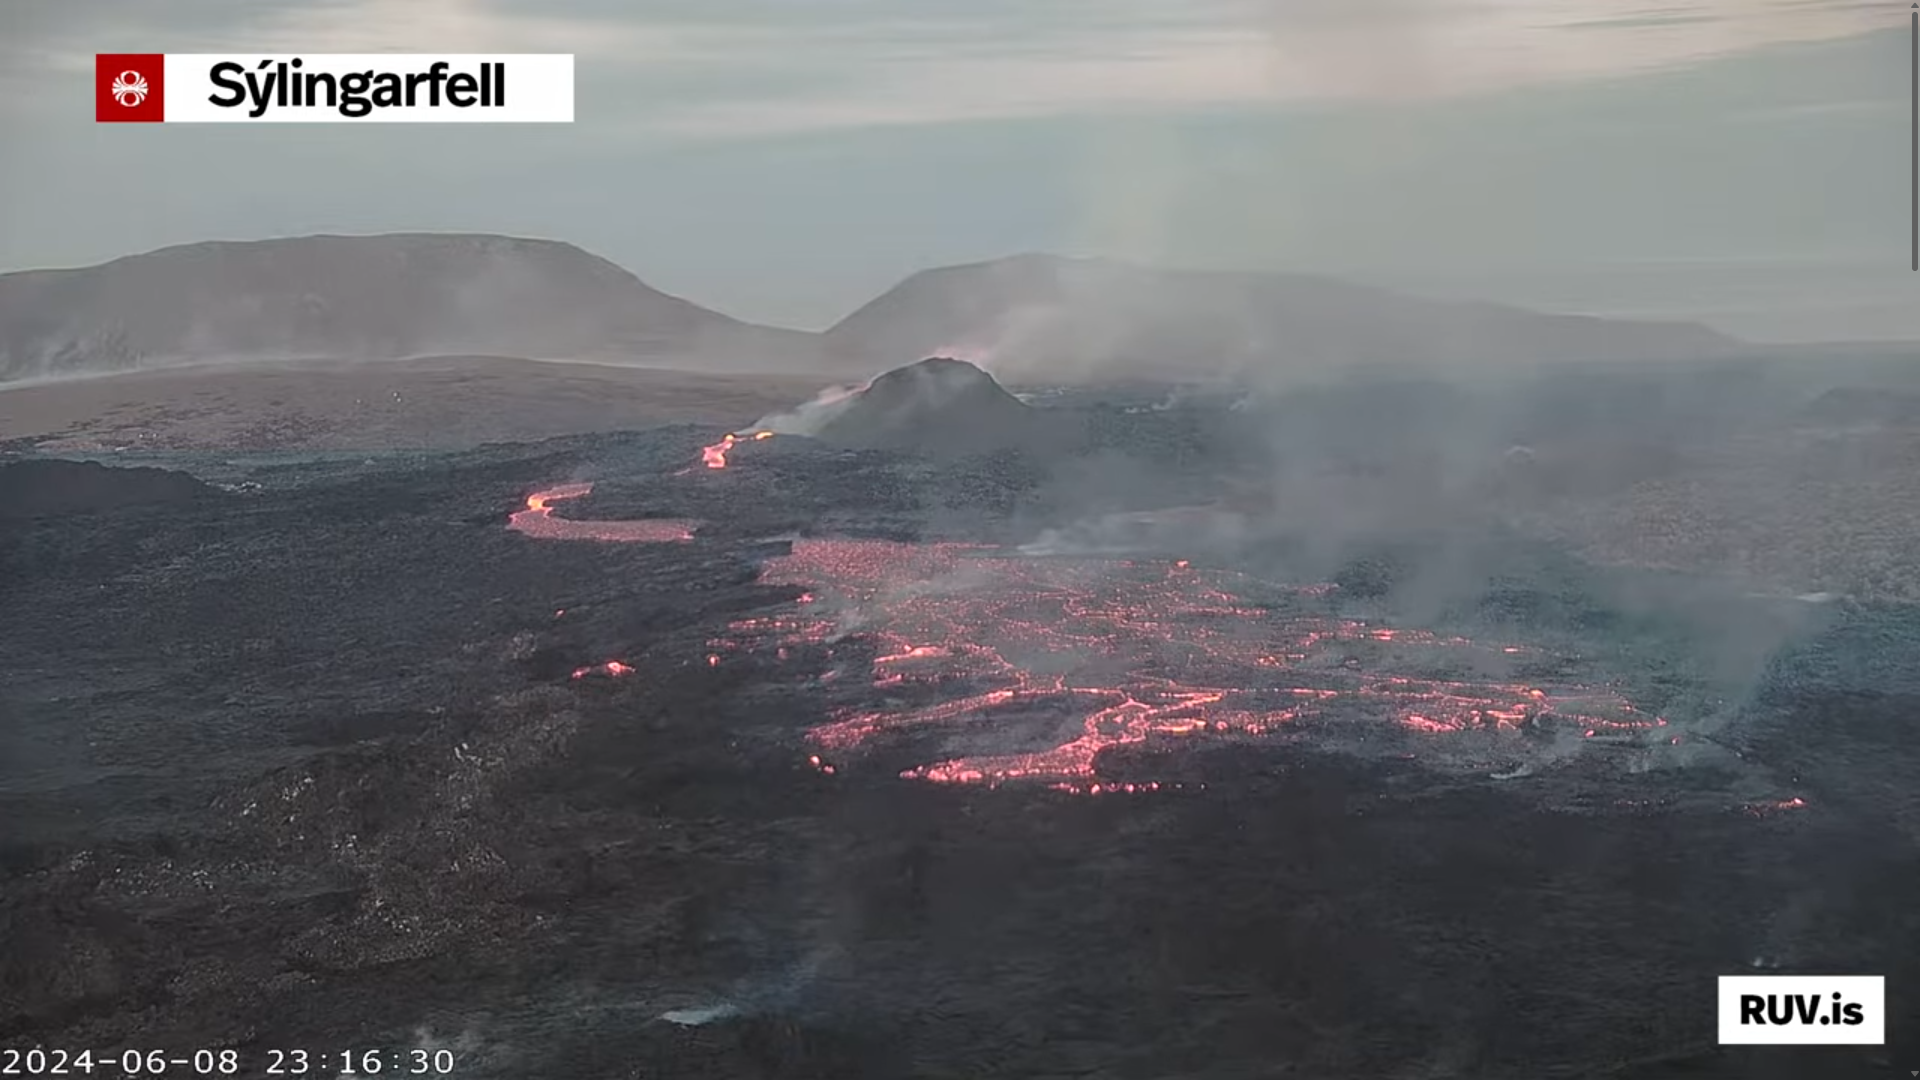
1034, 662
1187, 529
761, 995
810, 417
1034, 670
1040, 341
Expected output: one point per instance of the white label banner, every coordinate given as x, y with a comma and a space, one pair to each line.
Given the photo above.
1803, 1010
369, 88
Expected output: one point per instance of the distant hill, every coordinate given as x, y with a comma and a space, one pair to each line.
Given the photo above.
1032, 317
363, 297
1042, 317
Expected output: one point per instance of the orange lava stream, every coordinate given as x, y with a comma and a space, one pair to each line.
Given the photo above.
537, 521
612, 668
715, 456
1025, 669
1107, 653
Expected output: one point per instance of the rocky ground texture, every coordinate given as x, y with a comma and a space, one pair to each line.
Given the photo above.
305, 764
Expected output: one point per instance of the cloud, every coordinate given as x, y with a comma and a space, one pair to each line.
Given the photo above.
69, 38
1134, 56
1115, 70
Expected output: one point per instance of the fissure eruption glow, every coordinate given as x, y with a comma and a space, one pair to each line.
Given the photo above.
537, 521
981, 651
715, 456
1001, 668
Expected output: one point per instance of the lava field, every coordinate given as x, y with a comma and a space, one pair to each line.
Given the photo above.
694, 754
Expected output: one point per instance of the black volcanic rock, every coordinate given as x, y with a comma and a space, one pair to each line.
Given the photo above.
944, 407
31, 489
359, 297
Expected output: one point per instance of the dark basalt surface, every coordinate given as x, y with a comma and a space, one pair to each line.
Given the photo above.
42, 488
306, 767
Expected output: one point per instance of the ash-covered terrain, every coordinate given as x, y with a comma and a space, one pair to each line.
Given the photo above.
928, 730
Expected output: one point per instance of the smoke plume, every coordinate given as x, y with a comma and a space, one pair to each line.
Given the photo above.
810, 417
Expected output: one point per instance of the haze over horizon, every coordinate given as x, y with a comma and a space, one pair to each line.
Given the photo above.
1739, 164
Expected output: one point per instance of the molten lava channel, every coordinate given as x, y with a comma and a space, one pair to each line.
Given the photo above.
1030, 669
537, 521
715, 456
1087, 655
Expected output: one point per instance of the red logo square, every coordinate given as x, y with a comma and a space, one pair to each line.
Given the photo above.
129, 87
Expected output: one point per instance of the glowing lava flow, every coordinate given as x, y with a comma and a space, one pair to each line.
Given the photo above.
715, 456
1024, 669
999, 668
537, 521
612, 668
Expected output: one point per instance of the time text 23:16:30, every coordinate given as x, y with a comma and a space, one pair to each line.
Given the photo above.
415, 1062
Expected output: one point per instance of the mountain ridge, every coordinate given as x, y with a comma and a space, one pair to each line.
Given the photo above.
1033, 312
356, 297
1030, 315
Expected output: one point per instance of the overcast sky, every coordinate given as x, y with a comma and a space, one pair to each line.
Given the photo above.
784, 160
